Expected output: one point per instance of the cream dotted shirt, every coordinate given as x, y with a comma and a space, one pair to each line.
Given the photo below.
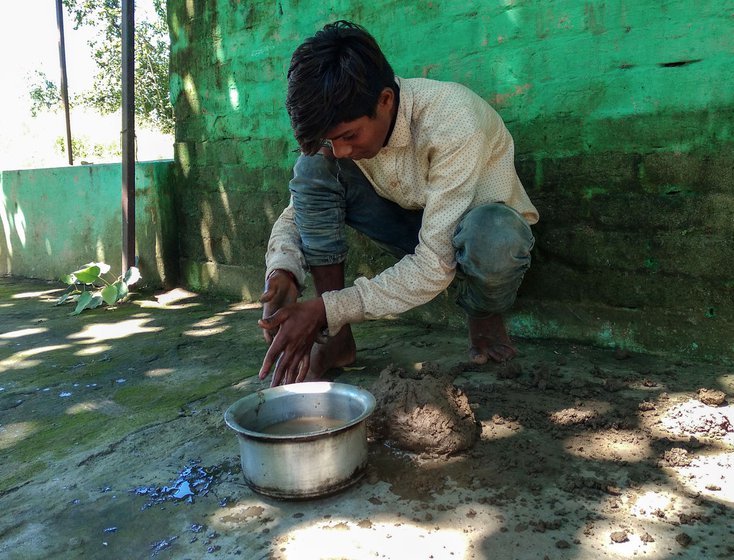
448, 153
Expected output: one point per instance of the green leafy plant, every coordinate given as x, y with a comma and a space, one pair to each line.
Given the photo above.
89, 289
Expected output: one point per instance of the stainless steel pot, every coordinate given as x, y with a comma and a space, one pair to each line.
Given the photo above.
317, 461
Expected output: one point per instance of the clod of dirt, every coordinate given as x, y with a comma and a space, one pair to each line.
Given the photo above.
512, 370
646, 406
575, 483
683, 539
422, 411
694, 418
647, 537
711, 397
691, 518
619, 536
613, 385
676, 457
544, 377
572, 417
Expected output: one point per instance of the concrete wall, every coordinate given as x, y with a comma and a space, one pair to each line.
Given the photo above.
621, 110
55, 220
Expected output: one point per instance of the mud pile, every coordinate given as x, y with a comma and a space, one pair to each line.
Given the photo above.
422, 411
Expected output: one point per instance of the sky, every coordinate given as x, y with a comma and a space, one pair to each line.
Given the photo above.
29, 41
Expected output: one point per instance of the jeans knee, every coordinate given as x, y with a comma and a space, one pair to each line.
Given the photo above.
319, 209
310, 171
493, 241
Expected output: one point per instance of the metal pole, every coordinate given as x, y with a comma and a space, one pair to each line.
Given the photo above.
64, 87
128, 134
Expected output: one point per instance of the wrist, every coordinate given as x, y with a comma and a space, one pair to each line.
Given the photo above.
323, 332
287, 273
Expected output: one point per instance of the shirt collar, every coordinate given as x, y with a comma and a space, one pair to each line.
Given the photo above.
401, 136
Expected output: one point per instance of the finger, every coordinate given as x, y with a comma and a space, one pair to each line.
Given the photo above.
287, 366
292, 372
275, 381
279, 371
303, 366
267, 295
273, 321
270, 358
269, 335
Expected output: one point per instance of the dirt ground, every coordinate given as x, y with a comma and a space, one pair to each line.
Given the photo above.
113, 445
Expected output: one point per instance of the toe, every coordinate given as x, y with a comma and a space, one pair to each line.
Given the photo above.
477, 356
502, 352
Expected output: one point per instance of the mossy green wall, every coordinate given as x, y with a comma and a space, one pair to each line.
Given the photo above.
623, 117
55, 220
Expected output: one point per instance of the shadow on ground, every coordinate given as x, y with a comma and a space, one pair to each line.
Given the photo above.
114, 446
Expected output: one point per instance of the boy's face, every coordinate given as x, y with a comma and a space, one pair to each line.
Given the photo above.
364, 137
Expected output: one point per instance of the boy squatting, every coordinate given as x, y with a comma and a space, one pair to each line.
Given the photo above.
422, 167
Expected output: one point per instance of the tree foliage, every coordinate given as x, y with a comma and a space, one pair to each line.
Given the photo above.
152, 102
44, 93
82, 148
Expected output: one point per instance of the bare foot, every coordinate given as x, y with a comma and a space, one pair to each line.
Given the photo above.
336, 352
489, 340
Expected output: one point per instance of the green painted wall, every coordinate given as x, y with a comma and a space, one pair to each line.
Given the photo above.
54, 220
623, 117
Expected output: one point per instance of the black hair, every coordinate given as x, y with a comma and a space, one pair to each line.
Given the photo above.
335, 76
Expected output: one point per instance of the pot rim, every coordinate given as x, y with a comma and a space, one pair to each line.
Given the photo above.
309, 387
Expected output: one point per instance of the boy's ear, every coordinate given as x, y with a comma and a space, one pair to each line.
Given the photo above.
387, 96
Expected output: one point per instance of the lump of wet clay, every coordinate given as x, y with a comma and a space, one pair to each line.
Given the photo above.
711, 397
422, 411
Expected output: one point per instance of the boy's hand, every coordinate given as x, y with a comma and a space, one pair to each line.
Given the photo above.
280, 290
296, 325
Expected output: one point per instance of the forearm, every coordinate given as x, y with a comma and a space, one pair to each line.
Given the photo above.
284, 248
407, 284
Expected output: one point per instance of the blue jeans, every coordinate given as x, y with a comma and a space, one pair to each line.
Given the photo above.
492, 242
